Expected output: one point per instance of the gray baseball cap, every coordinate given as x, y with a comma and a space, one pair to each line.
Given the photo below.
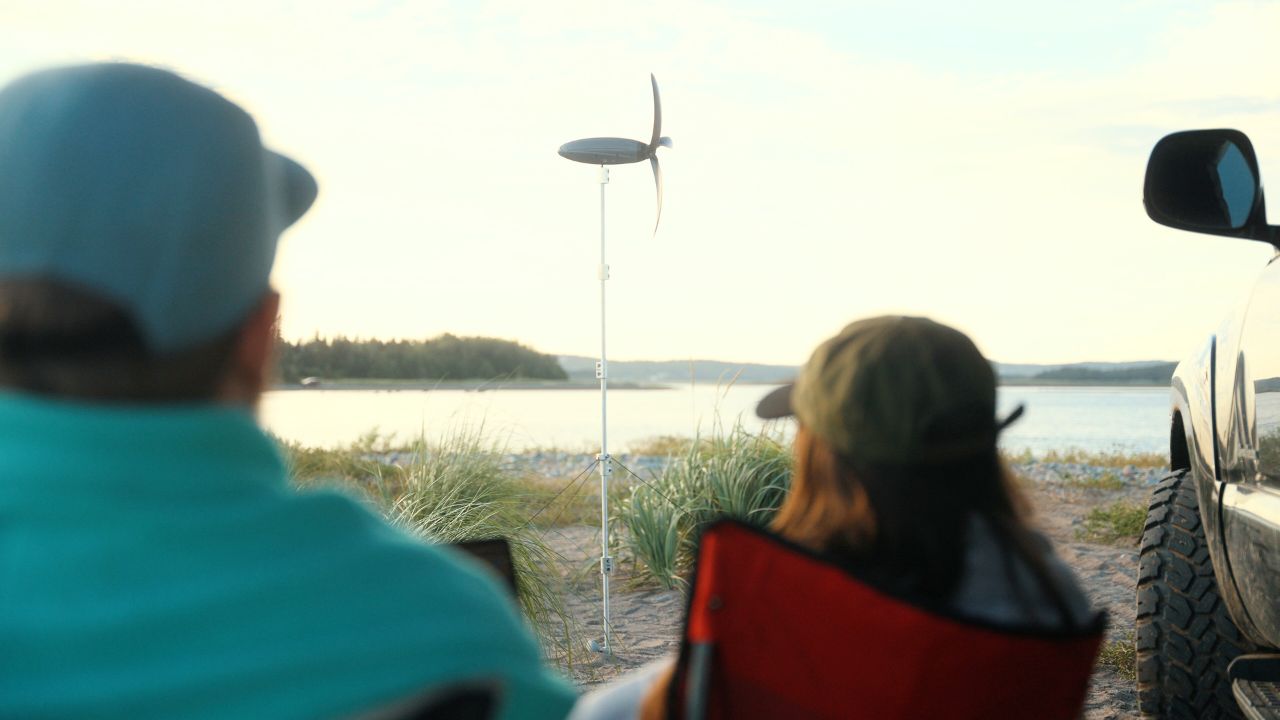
146, 189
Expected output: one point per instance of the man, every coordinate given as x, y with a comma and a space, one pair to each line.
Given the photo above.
154, 561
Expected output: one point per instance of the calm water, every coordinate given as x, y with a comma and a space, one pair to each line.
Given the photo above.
1096, 419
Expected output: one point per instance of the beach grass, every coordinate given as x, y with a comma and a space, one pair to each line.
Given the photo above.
575, 501
1104, 458
1121, 655
731, 473
1119, 523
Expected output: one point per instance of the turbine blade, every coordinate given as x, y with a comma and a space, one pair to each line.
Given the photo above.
657, 181
657, 115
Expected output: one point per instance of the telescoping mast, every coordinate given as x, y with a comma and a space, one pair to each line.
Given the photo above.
605, 151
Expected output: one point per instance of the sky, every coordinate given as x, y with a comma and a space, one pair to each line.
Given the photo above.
980, 163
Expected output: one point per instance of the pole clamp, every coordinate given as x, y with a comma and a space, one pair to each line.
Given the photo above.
606, 564
602, 272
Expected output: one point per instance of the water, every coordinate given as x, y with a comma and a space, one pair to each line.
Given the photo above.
1057, 418
1096, 419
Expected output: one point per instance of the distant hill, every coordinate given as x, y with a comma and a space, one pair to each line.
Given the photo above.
1155, 372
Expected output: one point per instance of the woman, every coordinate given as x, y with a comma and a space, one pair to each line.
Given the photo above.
897, 476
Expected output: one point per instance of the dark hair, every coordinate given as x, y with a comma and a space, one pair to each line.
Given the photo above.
60, 340
904, 528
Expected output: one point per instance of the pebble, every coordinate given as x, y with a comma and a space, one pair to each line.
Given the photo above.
1057, 472
548, 464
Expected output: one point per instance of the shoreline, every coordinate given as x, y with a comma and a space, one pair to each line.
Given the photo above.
466, 385
1032, 382
489, 385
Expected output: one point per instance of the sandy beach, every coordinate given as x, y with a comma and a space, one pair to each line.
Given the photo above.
647, 620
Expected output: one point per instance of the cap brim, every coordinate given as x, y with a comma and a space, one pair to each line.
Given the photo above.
777, 404
300, 188
1011, 419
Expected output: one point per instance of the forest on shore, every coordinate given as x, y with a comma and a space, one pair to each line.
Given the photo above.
452, 358
446, 357
1157, 373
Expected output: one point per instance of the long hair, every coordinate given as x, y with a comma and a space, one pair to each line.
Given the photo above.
904, 527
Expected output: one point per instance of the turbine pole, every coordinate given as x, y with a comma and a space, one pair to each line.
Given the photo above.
605, 461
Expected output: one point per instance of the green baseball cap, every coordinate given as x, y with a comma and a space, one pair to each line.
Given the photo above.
146, 189
896, 390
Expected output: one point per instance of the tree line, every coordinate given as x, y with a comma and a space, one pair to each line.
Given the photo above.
443, 358
1158, 373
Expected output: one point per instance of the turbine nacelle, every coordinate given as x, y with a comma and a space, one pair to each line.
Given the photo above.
622, 151
605, 151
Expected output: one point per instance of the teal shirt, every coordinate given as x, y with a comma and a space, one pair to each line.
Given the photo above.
154, 562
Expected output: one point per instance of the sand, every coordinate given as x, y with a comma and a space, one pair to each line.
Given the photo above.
647, 620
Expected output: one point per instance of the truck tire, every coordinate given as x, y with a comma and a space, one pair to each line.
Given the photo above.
1185, 638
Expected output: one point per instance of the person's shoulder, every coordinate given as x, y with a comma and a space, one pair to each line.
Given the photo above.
421, 613
337, 554
342, 530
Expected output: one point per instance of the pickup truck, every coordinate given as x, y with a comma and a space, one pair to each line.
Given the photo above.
1208, 594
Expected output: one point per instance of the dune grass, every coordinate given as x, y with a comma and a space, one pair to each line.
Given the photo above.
572, 503
1076, 456
1121, 656
733, 473
1119, 523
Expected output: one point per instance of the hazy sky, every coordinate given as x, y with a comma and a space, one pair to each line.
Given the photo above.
977, 162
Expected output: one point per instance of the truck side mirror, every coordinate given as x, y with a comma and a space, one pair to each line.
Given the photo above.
1207, 181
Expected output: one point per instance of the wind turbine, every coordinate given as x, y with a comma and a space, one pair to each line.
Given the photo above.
604, 151
622, 151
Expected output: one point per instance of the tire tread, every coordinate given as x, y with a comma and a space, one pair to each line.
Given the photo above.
1184, 637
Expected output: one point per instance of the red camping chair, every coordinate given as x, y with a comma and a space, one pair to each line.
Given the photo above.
775, 631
